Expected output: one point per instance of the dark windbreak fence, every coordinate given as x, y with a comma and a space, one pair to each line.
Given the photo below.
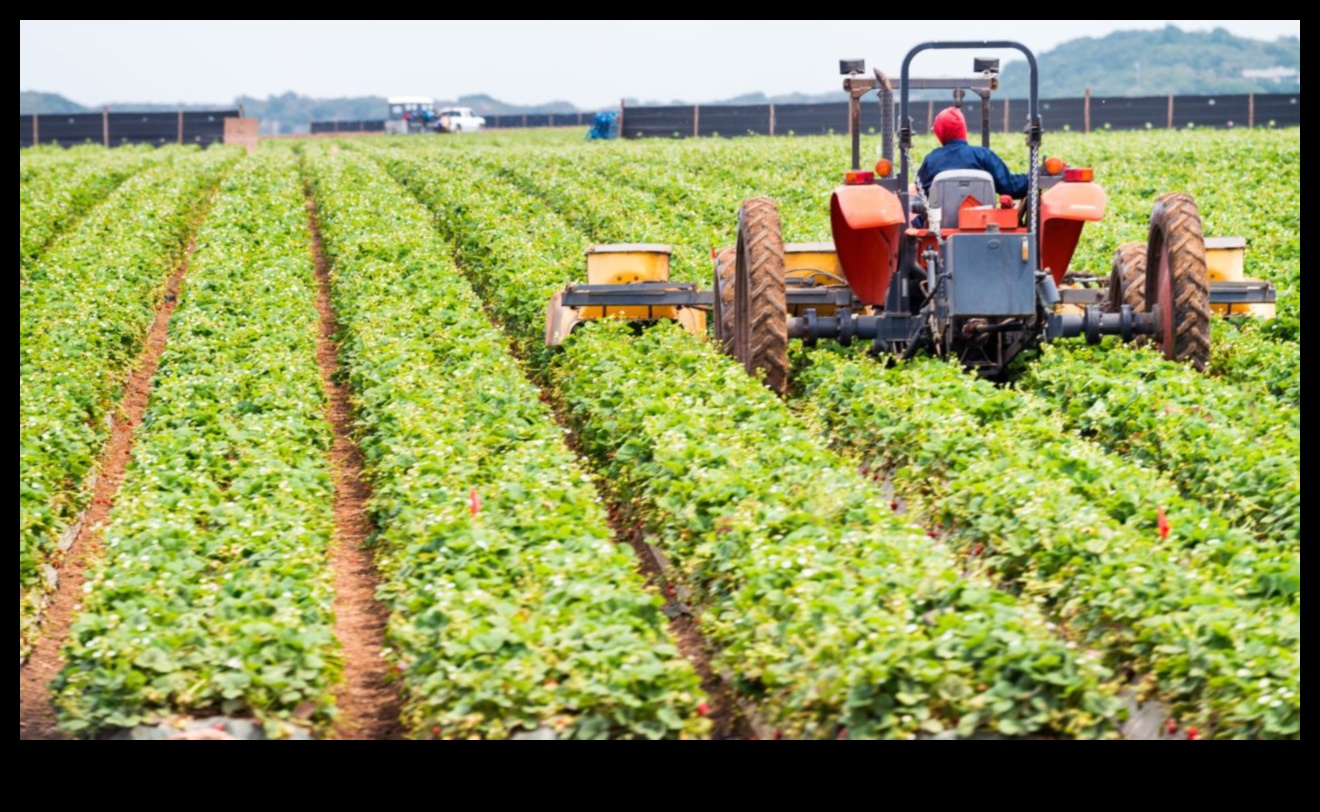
1081, 114
1004, 115
203, 127
517, 120
373, 126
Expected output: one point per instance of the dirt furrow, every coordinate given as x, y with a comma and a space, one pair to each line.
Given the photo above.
36, 715
368, 703
730, 718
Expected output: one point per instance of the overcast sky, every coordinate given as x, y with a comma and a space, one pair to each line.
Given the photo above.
591, 63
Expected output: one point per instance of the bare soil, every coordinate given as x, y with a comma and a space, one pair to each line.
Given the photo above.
368, 703
728, 718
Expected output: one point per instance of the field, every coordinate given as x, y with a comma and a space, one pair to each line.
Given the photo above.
295, 461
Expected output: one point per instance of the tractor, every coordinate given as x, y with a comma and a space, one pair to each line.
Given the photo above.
955, 272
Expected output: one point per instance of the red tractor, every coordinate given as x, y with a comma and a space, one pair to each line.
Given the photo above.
952, 272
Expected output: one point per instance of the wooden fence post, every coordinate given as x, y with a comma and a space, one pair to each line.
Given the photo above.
36, 131
930, 114
180, 126
105, 125
1170, 111
772, 119
623, 105
552, 119
1086, 112
1006, 130
696, 120
524, 121
1251, 110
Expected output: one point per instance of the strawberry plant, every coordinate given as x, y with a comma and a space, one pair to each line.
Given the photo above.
1233, 450
53, 199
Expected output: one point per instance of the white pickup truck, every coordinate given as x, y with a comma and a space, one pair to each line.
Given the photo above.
458, 120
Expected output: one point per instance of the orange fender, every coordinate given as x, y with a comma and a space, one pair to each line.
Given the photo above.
1064, 209
866, 221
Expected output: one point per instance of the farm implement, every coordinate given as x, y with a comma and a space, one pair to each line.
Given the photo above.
956, 271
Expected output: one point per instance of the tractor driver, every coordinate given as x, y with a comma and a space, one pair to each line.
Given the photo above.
955, 153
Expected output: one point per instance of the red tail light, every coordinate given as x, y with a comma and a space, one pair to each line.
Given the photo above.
857, 178
1073, 175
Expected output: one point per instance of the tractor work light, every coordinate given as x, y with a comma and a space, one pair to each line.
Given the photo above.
857, 177
1072, 175
883, 168
1054, 165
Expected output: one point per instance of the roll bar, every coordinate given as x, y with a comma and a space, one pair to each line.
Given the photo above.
905, 119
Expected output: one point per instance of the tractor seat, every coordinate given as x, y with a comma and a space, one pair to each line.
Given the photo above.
951, 187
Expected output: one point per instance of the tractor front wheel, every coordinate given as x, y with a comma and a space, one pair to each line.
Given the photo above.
725, 262
1127, 279
760, 311
1176, 281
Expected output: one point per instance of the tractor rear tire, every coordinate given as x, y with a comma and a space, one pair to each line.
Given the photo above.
1127, 279
1176, 280
760, 309
725, 268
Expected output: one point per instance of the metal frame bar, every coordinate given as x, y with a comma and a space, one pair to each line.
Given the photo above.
686, 294
1221, 292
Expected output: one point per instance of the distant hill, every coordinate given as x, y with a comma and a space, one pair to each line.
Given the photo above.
1163, 62
1132, 63
35, 101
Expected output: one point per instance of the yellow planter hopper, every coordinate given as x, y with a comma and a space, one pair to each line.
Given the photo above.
635, 272
1224, 264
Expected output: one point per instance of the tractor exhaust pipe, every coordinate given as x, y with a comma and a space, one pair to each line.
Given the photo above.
857, 86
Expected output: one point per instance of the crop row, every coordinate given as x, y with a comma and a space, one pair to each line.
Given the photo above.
80, 330
831, 614
828, 609
36, 163
514, 274
1250, 357
53, 199
1164, 586
214, 594
1235, 451
510, 607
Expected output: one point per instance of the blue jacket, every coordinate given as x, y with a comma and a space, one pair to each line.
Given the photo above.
958, 154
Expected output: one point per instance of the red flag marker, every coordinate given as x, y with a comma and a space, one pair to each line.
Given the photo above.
1162, 524
474, 502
